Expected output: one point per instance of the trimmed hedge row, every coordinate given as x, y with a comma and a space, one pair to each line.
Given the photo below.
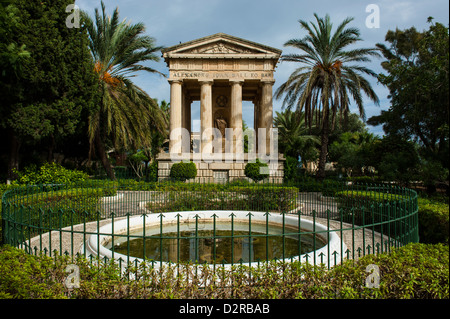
416, 271
433, 221
235, 197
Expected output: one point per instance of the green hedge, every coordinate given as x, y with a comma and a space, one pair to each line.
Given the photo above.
55, 209
433, 221
416, 271
258, 198
358, 197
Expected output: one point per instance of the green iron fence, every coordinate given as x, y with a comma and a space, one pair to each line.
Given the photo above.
232, 223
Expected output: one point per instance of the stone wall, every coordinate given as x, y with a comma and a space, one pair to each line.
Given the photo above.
217, 172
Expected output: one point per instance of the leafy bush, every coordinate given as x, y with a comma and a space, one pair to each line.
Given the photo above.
152, 174
261, 198
433, 221
256, 171
50, 173
363, 197
182, 171
56, 209
24, 277
269, 198
291, 169
416, 271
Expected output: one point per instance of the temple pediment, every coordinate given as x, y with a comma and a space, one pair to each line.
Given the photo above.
220, 45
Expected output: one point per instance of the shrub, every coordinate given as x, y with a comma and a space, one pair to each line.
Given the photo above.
256, 171
415, 271
433, 221
23, 276
50, 173
291, 169
182, 171
152, 174
260, 198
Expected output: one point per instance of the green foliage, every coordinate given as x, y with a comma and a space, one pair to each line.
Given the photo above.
60, 208
256, 171
416, 271
417, 65
12, 54
26, 277
358, 197
352, 151
367, 207
152, 174
326, 70
294, 137
49, 173
291, 169
56, 87
126, 114
258, 198
183, 171
395, 159
433, 221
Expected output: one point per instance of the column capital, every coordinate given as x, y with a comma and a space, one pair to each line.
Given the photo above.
268, 81
236, 81
205, 81
171, 81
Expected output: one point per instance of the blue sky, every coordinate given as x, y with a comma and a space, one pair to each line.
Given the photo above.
267, 22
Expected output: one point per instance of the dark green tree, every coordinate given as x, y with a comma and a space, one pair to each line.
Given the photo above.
417, 66
352, 153
43, 95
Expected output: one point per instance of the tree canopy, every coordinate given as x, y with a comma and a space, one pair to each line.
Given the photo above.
46, 79
417, 76
126, 114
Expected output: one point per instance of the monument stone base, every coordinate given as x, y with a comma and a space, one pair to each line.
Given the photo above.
221, 171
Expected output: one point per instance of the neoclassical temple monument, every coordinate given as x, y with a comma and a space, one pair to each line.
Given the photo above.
221, 71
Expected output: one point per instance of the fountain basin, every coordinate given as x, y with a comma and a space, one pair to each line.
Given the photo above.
329, 247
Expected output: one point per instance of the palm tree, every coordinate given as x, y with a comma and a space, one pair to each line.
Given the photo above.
126, 114
294, 139
326, 79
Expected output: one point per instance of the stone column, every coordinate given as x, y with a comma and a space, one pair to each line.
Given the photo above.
236, 116
175, 114
256, 120
187, 112
266, 115
206, 121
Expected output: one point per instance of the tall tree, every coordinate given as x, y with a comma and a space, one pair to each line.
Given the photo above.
43, 95
327, 80
126, 114
417, 65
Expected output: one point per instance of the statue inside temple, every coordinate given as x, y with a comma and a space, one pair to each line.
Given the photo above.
221, 125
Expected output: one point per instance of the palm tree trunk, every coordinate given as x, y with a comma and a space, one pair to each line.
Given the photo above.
323, 147
101, 151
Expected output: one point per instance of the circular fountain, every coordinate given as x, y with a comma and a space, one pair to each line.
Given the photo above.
216, 237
